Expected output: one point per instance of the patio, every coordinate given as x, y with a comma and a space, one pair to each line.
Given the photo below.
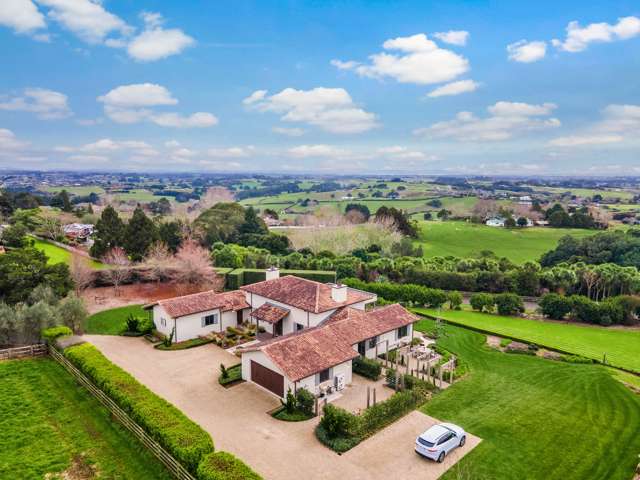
354, 397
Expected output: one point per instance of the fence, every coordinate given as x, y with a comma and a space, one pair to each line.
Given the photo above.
154, 447
36, 350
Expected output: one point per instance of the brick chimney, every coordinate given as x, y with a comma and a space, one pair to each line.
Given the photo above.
339, 292
272, 273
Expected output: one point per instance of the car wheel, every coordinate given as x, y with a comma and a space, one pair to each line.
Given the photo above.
441, 457
462, 441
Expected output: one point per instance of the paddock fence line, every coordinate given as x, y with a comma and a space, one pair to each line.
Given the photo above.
26, 351
175, 467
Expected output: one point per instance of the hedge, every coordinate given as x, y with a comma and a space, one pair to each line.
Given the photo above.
246, 276
50, 334
181, 437
367, 368
224, 466
402, 292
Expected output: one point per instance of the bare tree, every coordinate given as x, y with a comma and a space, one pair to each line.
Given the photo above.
119, 270
484, 209
194, 270
158, 262
81, 273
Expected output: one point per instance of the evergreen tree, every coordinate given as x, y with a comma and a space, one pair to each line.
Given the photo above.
109, 232
140, 233
252, 223
170, 234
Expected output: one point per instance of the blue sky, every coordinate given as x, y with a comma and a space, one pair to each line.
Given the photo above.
331, 87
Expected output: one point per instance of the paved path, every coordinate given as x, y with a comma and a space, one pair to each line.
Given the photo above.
237, 420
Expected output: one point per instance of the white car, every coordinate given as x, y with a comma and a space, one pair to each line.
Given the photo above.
439, 440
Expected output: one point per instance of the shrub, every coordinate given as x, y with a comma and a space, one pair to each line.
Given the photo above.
555, 306
455, 300
482, 302
132, 323
337, 422
367, 367
576, 359
381, 414
305, 401
508, 304
224, 466
408, 292
289, 403
584, 309
50, 334
145, 325
181, 437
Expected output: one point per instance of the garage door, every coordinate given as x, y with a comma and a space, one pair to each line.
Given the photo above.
272, 381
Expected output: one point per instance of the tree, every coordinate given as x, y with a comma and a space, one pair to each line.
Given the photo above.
482, 302
194, 270
170, 233
158, 261
119, 269
508, 304
555, 306
219, 223
50, 227
73, 313
400, 220
81, 273
252, 224
455, 300
357, 207
22, 270
443, 214
161, 207
139, 234
522, 222
15, 236
509, 222
108, 233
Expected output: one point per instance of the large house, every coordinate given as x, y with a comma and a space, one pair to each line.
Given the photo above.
313, 330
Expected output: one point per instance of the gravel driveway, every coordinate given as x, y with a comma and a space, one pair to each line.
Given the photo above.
237, 420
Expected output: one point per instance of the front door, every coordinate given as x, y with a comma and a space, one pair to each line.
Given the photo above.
277, 328
362, 348
239, 317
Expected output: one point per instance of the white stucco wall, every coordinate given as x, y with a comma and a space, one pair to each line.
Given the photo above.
382, 342
190, 326
311, 382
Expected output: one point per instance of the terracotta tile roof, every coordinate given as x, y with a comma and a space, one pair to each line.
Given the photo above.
305, 294
270, 313
302, 354
203, 301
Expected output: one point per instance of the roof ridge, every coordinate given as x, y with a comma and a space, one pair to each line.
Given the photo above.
189, 295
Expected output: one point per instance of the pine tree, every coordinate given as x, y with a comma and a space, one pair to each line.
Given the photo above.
252, 223
109, 232
140, 233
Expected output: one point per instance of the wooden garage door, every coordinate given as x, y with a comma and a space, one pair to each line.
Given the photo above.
267, 378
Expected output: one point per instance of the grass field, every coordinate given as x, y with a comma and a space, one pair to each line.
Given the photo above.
140, 195
77, 190
59, 255
622, 347
49, 422
462, 239
538, 419
114, 321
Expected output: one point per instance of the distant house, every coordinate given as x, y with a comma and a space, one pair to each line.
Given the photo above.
525, 200
271, 222
78, 232
495, 222
542, 223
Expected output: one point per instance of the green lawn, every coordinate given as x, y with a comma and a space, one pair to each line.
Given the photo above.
48, 420
57, 254
140, 195
77, 190
622, 347
114, 321
538, 419
463, 239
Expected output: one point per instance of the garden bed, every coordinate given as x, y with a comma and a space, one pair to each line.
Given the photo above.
194, 342
233, 375
296, 416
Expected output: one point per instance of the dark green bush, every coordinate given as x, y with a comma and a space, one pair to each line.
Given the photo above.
508, 304
181, 437
555, 306
482, 302
305, 401
224, 466
337, 422
367, 367
402, 292
50, 334
576, 359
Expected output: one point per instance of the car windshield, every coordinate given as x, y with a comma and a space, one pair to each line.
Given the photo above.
424, 442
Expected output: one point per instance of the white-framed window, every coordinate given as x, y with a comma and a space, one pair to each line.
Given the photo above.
323, 376
373, 342
210, 320
299, 327
403, 331
163, 321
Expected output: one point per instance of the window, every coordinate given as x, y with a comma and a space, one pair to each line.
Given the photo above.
373, 342
445, 438
403, 331
163, 321
324, 375
210, 320
299, 327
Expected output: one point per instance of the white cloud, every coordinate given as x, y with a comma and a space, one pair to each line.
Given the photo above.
578, 38
453, 37
21, 15
155, 42
135, 103
506, 120
86, 18
9, 142
46, 104
398, 152
195, 120
318, 151
454, 88
585, 140
89, 158
527, 52
172, 144
231, 152
289, 132
331, 109
107, 145
420, 61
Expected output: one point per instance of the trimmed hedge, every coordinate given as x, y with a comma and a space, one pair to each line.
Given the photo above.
180, 436
224, 466
367, 368
402, 292
50, 334
246, 276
